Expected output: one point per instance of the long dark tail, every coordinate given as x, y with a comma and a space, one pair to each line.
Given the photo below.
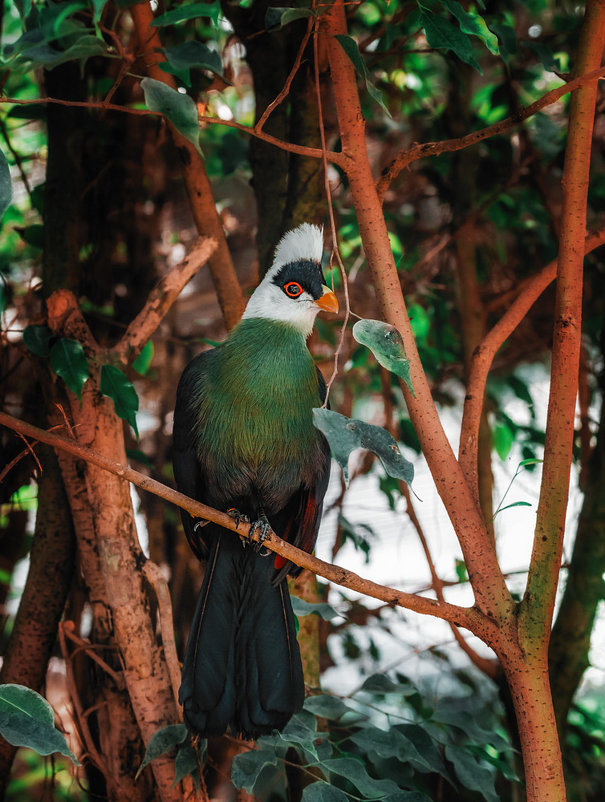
242, 668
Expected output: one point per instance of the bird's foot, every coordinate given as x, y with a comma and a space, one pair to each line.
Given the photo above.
199, 523
261, 529
238, 517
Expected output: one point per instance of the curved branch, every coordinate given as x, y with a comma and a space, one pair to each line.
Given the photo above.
468, 617
406, 157
484, 354
161, 298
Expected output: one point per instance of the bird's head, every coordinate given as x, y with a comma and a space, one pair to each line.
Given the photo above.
293, 288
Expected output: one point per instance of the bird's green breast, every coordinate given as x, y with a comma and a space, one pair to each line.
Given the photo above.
254, 418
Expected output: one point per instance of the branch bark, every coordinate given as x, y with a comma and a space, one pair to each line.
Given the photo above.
469, 618
207, 221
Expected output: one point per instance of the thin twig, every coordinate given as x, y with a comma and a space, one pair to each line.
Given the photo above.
88, 648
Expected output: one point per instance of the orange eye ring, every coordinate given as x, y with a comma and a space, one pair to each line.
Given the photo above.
293, 289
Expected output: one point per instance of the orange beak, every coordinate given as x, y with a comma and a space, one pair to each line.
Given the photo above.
328, 301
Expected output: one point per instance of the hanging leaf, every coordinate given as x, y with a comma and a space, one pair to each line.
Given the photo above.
473, 24
326, 706
185, 763
385, 342
346, 434
26, 719
349, 45
178, 108
6, 187
163, 741
503, 439
279, 17
68, 360
187, 56
322, 609
125, 399
184, 13
442, 35
37, 340
247, 767
143, 361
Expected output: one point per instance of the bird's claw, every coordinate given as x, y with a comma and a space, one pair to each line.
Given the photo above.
261, 529
238, 517
200, 522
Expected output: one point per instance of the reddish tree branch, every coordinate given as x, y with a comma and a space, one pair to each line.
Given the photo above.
484, 354
421, 151
492, 595
538, 603
470, 618
162, 297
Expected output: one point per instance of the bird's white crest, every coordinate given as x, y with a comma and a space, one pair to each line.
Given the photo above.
305, 242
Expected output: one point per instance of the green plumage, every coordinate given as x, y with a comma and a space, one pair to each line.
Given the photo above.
252, 407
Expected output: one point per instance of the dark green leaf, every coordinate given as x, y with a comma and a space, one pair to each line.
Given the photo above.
178, 108
185, 763
125, 399
32, 235
508, 39
474, 774
247, 767
184, 13
473, 24
355, 772
37, 339
385, 342
442, 35
26, 719
279, 17
379, 683
549, 61
163, 741
515, 504
346, 434
322, 609
137, 455
6, 186
193, 55
98, 7
349, 45
326, 706
323, 792
143, 361
68, 360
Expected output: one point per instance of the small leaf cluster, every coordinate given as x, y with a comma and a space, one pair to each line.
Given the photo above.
69, 361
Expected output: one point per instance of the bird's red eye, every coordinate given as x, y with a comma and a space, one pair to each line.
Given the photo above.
293, 289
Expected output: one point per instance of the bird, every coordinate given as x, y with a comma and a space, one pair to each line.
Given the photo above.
244, 442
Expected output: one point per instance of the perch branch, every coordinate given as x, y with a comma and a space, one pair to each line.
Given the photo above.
467, 617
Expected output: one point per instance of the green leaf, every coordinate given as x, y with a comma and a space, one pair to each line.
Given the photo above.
184, 13
503, 439
473, 24
442, 35
98, 8
193, 55
278, 17
163, 741
349, 45
68, 360
549, 61
515, 504
6, 186
346, 434
37, 340
185, 762
474, 774
355, 772
247, 767
385, 342
324, 792
26, 719
322, 609
125, 399
143, 361
178, 108
326, 706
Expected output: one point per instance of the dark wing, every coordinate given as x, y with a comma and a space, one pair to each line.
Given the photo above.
187, 469
298, 522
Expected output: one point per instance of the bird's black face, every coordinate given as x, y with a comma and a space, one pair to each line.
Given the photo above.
298, 277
